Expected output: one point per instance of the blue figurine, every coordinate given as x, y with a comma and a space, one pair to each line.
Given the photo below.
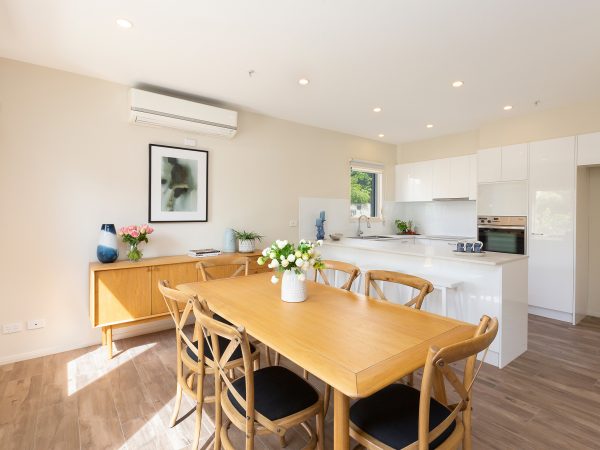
320, 224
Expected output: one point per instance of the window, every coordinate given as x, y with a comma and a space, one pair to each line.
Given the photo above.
365, 189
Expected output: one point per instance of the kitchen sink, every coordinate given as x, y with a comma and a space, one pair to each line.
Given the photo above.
371, 238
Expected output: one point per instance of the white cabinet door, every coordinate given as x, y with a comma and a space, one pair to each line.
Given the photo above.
588, 149
401, 181
473, 177
551, 223
441, 178
420, 180
489, 165
514, 162
459, 177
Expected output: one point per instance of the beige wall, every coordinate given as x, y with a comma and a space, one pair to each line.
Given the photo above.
552, 123
70, 161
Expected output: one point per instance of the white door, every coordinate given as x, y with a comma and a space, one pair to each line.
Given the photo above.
514, 162
420, 178
489, 165
441, 178
588, 149
551, 224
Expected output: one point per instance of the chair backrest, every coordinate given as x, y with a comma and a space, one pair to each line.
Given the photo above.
437, 369
338, 266
175, 300
242, 263
424, 287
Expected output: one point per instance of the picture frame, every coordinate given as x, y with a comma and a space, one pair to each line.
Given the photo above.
178, 184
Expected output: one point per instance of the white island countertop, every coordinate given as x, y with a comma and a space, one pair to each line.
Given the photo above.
396, 246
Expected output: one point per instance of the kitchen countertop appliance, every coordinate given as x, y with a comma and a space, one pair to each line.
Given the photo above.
503, 234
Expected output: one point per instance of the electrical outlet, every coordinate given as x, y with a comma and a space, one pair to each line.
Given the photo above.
12, 327
293, 223
36, 323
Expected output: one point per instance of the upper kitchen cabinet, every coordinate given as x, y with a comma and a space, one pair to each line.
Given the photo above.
588, 149
414, 182
514, 162
507, 163
451, 177
473, 177
489, 165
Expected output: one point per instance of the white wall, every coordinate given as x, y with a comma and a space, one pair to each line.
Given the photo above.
70, 161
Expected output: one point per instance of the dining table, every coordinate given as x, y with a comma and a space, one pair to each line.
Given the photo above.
356, 344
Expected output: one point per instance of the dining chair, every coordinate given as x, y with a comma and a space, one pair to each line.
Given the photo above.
269, 400
193, 361
423, 286
223, 263
338, 266
402, 417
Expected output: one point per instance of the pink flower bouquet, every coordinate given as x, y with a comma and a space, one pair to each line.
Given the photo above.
133, 235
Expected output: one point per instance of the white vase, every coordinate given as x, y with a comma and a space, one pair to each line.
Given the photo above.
293, 290
246, 246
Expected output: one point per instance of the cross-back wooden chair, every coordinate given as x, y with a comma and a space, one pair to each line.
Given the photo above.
338, 266
423, 286
269, 400
221, 261
193, 361
402, 417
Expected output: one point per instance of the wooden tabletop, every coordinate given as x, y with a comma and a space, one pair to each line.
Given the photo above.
356, 344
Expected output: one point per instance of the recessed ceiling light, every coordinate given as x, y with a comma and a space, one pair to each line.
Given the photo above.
457, 83
507, 108
377, 109
303, 81
124, 23
381, 135
429, 125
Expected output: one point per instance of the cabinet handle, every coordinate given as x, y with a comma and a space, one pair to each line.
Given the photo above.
537, 234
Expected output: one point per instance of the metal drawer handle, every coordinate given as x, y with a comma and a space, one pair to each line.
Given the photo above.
537, 234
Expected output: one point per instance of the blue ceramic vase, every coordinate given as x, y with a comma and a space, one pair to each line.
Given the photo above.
107, 250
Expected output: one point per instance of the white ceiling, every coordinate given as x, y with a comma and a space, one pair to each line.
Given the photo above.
401, 55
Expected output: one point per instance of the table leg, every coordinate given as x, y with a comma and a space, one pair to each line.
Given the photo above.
341, 421
109, 342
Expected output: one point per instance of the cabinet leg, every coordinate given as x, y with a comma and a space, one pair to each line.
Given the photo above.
109, 342
103, 336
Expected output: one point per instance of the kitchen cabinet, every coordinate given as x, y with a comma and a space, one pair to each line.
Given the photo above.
514, 162
551, 226
451, 177
489, 165
414, 182
441, 178
588, 149
508, 163
473, 177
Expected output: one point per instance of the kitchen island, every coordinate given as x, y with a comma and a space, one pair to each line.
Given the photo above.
467, 286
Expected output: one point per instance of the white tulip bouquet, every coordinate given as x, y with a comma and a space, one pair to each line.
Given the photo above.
286, 256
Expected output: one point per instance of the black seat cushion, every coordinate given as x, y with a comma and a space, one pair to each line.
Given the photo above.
223, 343
392, 416
278, 392
222, 319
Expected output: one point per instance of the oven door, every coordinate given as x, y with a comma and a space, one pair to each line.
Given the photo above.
502, 239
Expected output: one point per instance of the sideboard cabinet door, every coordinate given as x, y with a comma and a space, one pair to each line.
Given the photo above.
122, 295
175, 274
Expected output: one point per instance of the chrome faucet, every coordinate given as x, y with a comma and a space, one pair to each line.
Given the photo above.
359, 232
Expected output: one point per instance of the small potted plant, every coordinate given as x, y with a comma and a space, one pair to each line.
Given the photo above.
402, 227
247, 240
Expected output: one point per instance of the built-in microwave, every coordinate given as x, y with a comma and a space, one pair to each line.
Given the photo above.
504, 234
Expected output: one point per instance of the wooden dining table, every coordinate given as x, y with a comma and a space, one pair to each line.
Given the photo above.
354, 343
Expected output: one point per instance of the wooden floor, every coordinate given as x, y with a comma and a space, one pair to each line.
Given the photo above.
549, 398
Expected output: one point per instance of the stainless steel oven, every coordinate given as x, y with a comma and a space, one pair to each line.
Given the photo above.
504, 234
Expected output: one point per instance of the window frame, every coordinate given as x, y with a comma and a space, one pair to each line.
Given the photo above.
378, 170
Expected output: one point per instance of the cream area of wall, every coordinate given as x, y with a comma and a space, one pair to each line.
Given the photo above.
594, 242
70, 161
546, 124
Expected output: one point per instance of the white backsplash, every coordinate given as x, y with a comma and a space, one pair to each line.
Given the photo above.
442, 218
337, 213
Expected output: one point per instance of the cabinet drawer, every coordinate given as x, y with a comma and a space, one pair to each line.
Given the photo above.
175, 274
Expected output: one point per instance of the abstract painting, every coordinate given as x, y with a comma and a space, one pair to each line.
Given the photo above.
178, 184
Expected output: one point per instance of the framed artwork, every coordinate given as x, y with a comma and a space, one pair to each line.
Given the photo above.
178, 189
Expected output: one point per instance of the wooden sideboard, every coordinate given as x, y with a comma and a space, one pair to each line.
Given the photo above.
126, 293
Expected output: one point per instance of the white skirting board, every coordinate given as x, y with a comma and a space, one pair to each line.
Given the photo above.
551, 314
118, 333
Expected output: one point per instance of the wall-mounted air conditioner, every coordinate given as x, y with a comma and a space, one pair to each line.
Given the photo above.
148, 108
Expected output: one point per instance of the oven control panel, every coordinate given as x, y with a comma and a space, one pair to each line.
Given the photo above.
507, 221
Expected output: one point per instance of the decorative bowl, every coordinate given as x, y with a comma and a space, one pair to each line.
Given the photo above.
336, 236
